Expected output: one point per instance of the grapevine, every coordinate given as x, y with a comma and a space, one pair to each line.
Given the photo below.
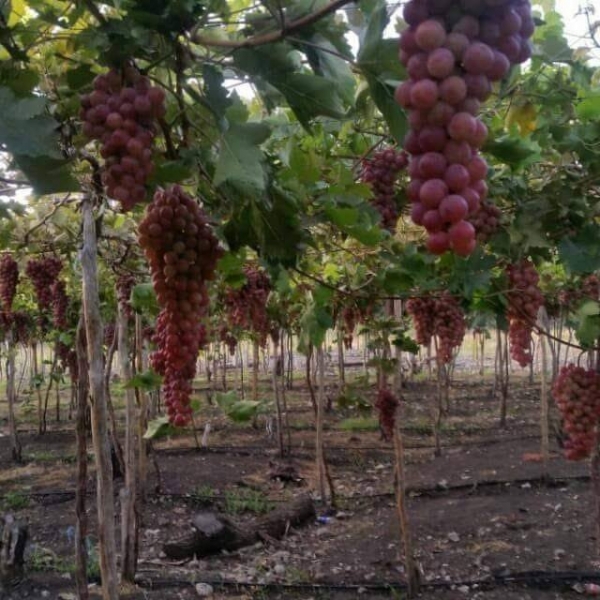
453, 52
182, 252
577, 394
9, 277
381, 172
524, 301
120, 112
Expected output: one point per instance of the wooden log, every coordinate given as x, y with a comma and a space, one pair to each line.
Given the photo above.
213, 533
13, 538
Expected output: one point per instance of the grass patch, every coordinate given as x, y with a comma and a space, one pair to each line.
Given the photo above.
360, 424
15, 501
246, 500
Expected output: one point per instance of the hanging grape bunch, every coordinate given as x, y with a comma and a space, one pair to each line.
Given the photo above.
386, 405
422, 311
524, 301
227, 338
449, 325
247, 306
60, 305
350, 317
120, 113
43, 272
453, 51
486, 220
577, 394
9, 277
182, 252
381, 172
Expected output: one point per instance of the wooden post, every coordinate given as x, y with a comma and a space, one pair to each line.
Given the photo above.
11, 395
544, 396
320, 419
277, 397
81, 440
13, 538
94, 334
255, 367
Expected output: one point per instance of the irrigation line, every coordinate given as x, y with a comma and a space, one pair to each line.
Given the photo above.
533, 579
426, 492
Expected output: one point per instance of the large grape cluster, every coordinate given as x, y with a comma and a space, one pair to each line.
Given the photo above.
381, 171
247, 306
43, 272
441, 316
120, 112
577, 394
524, 301
182, 252
453, 51
386, 405
9, 277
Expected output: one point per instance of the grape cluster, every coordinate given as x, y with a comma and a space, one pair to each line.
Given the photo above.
60, 305
109, 334
452, 52
588, 289
125, 284
449, 325
9, 277
120, 112
182, 252
381, 172
422, 311
486, 220
350, 317
442, 316
577, 394
386, 405
524, 301
43, 272
247, 306
228, 339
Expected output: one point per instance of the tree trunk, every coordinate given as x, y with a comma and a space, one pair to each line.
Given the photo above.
284, 397
340, 354
255, 367
412, 573
38, 384
319, 424
145, 446
94, 338
48, 390
277, 398
544, 396
13, 539
83, 389
11, 395
129, 521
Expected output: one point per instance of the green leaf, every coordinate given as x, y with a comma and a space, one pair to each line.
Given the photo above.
581, 253
143, 299
173, 171
514, 151
589, 308
244, 410
47, 175
314, 324
226, 400
588, 108
241, 162
231, 266
80, 77
148, 380
588, 330
159, 428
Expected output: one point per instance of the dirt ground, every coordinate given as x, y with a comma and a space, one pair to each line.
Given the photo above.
484, 520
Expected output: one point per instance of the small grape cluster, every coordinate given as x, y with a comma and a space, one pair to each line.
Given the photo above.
125, 284
588, 289
524, 301
120, 112
381, 172
350, 316
441, 316
182, 252
486, 220
60, 305
9, 277
110, 331
43, 272
577, 394
452, 52
228, 339
247, 306
386, 406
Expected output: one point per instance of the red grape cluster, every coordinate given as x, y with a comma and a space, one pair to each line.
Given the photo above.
109, 334
60, 305
247, 306
577, 394
9, 277
43, 272
386, 405
228, 339
486, 220
125, 284
381, 172
453, 51
422, 311
449, 325
524, 301
442, 316
120, 113
182, 252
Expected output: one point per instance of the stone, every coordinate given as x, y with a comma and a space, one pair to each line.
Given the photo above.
454, 537
204, 590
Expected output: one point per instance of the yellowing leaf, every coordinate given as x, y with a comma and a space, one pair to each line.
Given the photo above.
18, 9
524, 117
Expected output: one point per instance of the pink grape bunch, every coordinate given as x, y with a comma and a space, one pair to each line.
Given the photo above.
577, 394
453, 51
524, 300
120, 113
9, 277
381, 171
182, 251
386, 406
43, 272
